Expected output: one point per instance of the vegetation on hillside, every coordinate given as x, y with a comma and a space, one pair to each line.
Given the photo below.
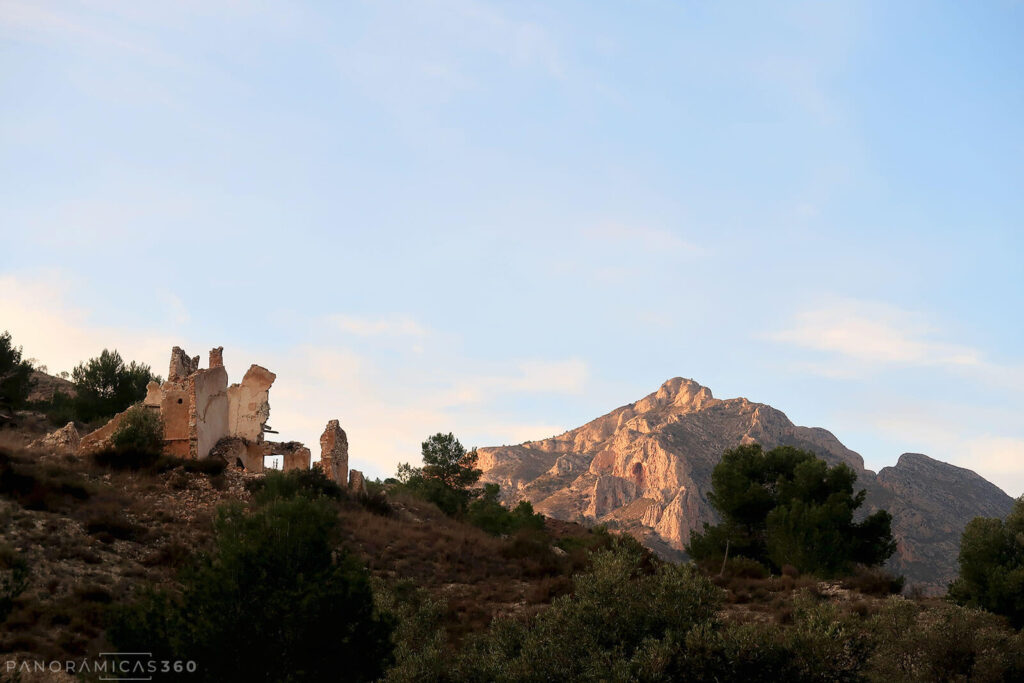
106, 385
788, 507
274, 600
631, 619
15, 376
447, 478
992, 565
443, 600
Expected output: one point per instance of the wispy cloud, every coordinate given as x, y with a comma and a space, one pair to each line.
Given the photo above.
874, 334
390, 326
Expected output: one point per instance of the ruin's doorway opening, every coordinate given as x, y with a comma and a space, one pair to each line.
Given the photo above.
273, 462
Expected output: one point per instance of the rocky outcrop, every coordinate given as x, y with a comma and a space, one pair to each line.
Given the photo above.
64, 441
931, 502
45, 387
645, 468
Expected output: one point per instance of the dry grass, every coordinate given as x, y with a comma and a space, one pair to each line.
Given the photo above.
90, 536
478, 575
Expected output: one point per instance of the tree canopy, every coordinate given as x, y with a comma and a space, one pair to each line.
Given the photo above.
15, 374
106, 385
992, 565
447, 475
788, 507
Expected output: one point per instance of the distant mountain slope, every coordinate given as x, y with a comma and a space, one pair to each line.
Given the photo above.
645, 468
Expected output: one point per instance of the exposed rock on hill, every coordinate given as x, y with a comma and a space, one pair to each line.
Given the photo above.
45, 386
645, 468
931, 502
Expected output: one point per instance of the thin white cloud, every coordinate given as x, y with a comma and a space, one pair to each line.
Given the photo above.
874, 334
390, 326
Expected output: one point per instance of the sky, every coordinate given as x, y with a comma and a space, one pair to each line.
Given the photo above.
506, 219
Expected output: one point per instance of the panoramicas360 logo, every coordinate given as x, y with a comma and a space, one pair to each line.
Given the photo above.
111, 666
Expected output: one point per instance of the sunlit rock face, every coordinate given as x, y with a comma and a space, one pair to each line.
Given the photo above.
645, 468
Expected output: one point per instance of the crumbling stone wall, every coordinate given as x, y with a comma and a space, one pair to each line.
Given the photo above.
249, 404
205, 417
208, 414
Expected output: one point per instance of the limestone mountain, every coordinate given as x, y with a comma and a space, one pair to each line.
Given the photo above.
645, 469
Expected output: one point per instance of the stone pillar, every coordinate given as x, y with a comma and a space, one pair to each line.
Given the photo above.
357, 483
334, 453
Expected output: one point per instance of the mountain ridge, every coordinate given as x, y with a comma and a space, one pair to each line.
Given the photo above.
645, 469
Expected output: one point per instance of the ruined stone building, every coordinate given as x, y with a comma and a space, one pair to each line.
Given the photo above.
203, 416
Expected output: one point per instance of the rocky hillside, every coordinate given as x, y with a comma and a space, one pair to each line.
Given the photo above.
645, 468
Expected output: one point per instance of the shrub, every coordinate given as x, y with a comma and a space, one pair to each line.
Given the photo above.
311, 483
874, 581
744, 568
14, 574
604, 630
107, 522
487, 513
137, 442
211, 466
37, 489
943, 643
141, 429
274, 601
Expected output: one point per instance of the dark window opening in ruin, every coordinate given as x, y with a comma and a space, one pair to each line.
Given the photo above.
179, 400
273, 462
638, 474
239, 464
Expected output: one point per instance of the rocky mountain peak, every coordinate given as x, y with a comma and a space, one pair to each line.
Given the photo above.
683, 394
645, 469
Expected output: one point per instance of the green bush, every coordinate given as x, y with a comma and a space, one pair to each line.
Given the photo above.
275, 601
276, 485
943, 643
603, 631
141, 429
136, 443
487, 513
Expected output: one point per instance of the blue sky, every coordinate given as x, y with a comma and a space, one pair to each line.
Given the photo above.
505, 219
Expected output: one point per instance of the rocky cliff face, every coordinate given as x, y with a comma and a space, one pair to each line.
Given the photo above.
645, 468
